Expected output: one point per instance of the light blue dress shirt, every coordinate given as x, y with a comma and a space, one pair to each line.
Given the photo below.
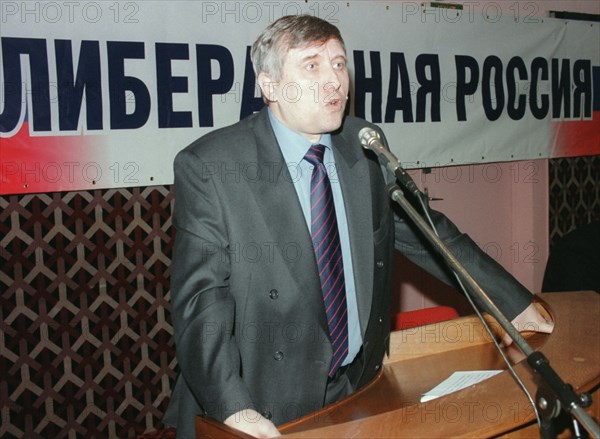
293, 147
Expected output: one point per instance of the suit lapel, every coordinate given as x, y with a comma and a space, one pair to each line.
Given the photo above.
355, 184
278, 203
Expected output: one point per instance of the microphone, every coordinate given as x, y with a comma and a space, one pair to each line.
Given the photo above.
370, 139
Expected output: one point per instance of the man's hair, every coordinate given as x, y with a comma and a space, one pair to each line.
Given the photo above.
289, 32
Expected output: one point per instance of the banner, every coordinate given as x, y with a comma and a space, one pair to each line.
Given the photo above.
100, 94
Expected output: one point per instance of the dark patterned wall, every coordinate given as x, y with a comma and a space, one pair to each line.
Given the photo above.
574, 194
86, 346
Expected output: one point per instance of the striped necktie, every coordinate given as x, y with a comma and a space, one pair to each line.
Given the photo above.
328, 252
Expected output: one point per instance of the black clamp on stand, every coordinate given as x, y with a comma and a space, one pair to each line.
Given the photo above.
547, 399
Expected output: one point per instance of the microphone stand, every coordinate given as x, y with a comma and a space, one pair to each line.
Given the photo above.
572, 402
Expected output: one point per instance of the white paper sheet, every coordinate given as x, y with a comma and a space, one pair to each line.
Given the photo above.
457, 381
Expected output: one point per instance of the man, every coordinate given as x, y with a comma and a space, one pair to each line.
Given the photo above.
258, 343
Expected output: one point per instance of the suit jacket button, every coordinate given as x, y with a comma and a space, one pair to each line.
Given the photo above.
278, 355
267, 415
380, 264
273, 294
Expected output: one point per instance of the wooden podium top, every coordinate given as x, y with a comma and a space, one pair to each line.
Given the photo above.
420, 358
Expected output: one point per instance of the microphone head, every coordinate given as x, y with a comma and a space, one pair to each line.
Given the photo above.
366, 136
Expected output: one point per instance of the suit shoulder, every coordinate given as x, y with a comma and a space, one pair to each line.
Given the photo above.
222, 142
359, 122
352, 125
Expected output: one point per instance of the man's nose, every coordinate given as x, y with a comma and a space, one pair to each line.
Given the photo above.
331, 80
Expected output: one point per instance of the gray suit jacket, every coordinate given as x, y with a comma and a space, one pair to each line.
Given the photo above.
248, 313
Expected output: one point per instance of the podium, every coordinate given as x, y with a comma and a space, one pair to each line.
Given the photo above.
422, 357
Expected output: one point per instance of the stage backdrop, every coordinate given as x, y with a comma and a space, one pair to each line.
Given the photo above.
99, 94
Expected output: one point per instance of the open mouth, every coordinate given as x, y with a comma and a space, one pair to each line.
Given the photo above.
336, 102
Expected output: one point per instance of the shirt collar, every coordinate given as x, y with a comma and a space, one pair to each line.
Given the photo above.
293, 146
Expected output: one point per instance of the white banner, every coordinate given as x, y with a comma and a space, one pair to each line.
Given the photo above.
99, 94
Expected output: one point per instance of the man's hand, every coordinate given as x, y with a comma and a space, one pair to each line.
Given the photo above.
251, 422
530, 319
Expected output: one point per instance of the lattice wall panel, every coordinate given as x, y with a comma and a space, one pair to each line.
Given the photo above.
86, 347
574, 193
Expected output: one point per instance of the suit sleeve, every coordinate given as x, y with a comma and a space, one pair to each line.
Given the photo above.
203, 307
505, 291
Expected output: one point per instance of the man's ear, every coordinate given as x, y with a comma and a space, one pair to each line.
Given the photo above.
267, 86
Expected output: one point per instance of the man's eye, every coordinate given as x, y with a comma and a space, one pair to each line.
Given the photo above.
311, 66
339, 65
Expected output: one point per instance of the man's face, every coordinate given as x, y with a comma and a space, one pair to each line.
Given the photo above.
310, 96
